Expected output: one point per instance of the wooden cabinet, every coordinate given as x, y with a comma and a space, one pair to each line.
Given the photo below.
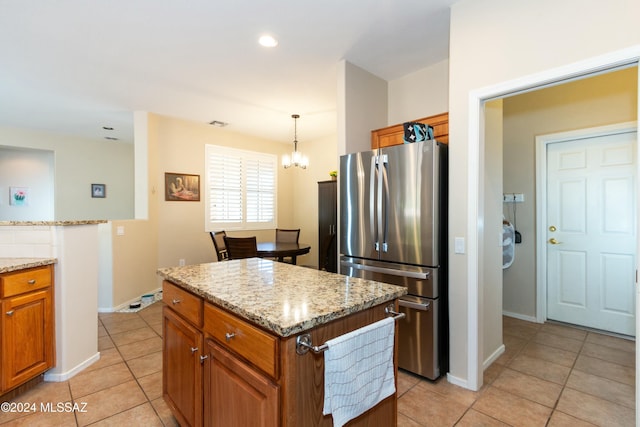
27, 326
222, 370
182, 384
394, 135
235, 393
327, 226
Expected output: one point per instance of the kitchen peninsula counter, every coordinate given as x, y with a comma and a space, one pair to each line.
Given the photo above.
246, 315
8, 265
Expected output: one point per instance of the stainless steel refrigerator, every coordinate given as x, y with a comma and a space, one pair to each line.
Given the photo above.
393, 212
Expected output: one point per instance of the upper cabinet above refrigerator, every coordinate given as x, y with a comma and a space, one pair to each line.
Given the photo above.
393, 135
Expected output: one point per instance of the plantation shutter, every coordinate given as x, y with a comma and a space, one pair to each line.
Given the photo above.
241, 189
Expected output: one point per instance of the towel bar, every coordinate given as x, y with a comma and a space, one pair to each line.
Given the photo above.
304, 342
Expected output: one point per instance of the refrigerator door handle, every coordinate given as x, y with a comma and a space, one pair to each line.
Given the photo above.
391, 271
414, 305
384, 184
381, 160
372, 203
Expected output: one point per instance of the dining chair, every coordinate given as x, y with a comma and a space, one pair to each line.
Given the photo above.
219, 245
287, 236
241, 247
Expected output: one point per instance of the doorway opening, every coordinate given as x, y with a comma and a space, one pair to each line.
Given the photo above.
599, 100
477, 200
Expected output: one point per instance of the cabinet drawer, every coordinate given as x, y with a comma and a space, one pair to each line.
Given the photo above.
184, 303
23, 281
255, 345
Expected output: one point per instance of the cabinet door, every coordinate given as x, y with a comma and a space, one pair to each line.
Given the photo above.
327, 225
27, 337
235, 394
182, 368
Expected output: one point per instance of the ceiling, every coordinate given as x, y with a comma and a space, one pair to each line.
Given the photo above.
74, 66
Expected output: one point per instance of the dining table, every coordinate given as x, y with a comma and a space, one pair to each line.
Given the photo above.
280, 250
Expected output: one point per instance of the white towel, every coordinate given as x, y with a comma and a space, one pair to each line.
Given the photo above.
358, 371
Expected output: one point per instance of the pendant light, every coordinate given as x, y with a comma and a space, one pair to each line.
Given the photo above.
297, 158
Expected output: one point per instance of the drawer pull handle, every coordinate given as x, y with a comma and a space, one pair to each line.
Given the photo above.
32, 282
229, 335
176, 301
203, 358
10, 313
194, 349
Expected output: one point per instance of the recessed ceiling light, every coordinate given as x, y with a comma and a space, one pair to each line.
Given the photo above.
268, 41
111, 138
107, 128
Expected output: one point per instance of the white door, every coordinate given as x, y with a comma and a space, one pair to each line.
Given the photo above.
591, 232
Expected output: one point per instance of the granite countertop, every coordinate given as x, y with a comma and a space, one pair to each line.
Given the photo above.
283, 298
8, 265
70, 222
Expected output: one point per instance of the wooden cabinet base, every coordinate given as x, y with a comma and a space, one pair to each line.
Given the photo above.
27, 345
232, 373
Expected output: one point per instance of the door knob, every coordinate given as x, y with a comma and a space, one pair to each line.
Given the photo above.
552, 228
553, 241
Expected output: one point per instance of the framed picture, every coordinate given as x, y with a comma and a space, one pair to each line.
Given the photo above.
181, 187
19, 196
99, 190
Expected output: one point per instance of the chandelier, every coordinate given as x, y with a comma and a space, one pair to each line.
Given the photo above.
297, 158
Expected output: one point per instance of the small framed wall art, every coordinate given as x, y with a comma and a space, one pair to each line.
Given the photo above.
98, 191
181, 187
19, 196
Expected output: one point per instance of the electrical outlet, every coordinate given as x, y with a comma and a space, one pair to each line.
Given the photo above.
120, 230
181, 262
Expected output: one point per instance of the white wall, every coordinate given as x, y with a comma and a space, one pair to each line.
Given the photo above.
30, 169
492, 44
420, 94
78, 164
362, 106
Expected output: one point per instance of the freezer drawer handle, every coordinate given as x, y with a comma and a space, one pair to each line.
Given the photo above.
415, 305
391, 271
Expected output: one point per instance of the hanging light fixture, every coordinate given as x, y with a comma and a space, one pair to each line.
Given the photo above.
297, 158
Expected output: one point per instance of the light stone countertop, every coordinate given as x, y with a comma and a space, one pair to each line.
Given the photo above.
8, 265
283, 298
70, 222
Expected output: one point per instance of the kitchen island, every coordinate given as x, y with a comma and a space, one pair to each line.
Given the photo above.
230, 330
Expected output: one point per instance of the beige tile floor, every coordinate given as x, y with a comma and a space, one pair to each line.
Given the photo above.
550, 375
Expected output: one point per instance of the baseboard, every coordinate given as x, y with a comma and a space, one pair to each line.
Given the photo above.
126, 303
520, 316
457, 381
64, 376
494, 356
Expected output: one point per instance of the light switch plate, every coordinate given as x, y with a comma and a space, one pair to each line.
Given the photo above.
458, 245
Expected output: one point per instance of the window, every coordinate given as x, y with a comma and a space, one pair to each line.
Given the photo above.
240, 189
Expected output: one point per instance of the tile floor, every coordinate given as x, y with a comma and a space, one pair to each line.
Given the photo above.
550, 375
